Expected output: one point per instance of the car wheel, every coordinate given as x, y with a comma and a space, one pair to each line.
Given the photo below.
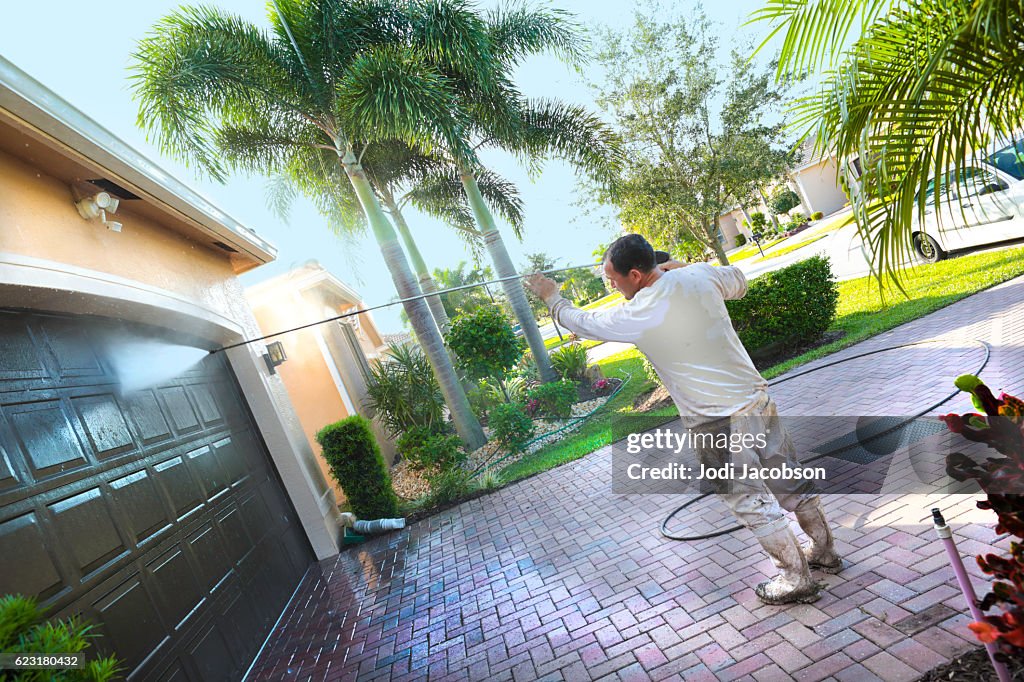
928, 249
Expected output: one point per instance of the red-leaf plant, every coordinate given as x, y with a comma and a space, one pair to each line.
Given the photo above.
1001, 427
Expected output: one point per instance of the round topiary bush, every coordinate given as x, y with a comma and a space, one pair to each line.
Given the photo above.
356, 464
817, 215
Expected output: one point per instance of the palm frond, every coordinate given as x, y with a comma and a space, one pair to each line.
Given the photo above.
520, 31
921, 96
393, 92
815, 31
201, 67
503, 197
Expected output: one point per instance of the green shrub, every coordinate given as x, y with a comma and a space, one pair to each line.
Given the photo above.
356, 464
741, 239
758, 221
511, 426
515, 386
554, 399
783, 200
489, 479
403, 392
570, 361
450, 486
817, 215
787, 307
482, 400
23, 631
426, 449
484, 344
797, 218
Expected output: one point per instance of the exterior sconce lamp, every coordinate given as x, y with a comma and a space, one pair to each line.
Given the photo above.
275, 355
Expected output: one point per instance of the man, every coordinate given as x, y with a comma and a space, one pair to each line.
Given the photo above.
676, 316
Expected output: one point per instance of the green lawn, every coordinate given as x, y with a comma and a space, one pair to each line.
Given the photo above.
861, 313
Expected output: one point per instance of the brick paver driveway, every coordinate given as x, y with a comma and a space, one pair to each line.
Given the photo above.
557, 577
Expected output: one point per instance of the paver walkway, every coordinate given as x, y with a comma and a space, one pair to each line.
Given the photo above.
557, 577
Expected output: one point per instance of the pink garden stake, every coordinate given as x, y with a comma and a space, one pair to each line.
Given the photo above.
946, 535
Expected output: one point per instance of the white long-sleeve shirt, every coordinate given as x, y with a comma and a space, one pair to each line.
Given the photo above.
681, 324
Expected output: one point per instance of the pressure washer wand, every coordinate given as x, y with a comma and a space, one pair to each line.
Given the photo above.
404, 300
946, 536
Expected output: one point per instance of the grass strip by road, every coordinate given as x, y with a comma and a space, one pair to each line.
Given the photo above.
789, 248
861, 313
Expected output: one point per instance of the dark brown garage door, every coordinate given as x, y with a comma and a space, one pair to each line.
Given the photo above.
155, 513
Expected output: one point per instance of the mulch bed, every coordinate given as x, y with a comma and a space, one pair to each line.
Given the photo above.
973, 666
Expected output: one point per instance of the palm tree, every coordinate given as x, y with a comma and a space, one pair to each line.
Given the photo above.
497, 115
925, 88
329, 80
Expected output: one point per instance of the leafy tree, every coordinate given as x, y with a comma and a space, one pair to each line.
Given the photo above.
485, 345
688, 159
583, 286
783, 200
537, 262
306, 100
924, 87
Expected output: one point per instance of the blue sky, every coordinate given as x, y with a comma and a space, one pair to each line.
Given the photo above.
82, 52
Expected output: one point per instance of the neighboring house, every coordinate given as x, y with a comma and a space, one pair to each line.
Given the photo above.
163, 492
816, 182
327, 363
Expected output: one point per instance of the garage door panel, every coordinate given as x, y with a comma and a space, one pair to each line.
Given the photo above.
185, 494
203, 462
86, 530
208, 655
21, 359
131, 620
25, 563
46, 437
156, 513
138, 503
207, 546
183, 416
71, 346
175, 583
146, 417
105, 425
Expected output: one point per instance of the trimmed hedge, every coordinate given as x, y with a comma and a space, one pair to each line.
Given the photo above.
786, 308
356, 464
817, 215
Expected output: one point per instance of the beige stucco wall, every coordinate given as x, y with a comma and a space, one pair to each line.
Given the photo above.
53, 259
818, 186
312, 389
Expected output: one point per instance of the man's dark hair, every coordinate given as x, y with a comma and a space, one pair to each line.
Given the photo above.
631, 252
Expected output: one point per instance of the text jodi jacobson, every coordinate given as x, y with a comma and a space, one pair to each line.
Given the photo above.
725, 444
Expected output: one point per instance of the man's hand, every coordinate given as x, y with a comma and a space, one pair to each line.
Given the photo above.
671, 265
542, 286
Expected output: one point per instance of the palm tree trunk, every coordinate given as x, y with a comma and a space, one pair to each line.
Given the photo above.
513, 287
427, 283
419, 314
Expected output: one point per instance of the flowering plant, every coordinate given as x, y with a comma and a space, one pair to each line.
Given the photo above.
532, 406
601, 385
1000, 426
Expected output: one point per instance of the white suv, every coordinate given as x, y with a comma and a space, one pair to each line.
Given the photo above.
986, 206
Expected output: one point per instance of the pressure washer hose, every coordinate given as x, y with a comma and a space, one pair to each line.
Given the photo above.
899, 425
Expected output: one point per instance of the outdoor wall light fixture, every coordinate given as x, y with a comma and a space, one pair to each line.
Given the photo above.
275, 355
98, 206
